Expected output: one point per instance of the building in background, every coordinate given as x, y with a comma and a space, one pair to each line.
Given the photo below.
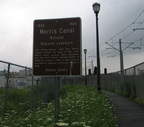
20, 79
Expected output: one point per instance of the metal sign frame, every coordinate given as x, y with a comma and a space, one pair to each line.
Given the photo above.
57, 48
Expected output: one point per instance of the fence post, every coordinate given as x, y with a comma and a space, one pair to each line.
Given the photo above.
6, 91
57, 98
32, 92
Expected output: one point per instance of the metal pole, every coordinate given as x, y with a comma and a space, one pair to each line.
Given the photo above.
26, 72
121, 58
98, 56
16, 65
57, 98
32, 92
85, 70
92, 68
6, 91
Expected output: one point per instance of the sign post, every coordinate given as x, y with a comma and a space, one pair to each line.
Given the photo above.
57, 51
57, 98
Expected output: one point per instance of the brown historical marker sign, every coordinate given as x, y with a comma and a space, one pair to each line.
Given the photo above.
57, 47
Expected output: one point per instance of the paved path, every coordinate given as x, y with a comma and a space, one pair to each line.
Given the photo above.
132, 114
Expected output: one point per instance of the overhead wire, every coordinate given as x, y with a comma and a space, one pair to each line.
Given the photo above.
132, 31
113, 43
126, 27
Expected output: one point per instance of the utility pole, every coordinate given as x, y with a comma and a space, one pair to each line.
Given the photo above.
121, 58
121, 54
138, 29
85, 51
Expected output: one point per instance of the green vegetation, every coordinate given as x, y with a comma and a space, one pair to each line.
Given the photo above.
128, 89
139, 100
20, 100
80, 106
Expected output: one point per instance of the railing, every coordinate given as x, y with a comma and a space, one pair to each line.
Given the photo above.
134, 70
130, 84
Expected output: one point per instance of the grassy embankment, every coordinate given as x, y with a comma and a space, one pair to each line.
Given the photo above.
80, 106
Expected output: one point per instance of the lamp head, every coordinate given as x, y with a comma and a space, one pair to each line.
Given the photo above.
96, 8
85, 51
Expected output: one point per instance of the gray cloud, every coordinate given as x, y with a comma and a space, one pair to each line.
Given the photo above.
16, 27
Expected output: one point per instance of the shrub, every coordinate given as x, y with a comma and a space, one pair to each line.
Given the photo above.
80, 106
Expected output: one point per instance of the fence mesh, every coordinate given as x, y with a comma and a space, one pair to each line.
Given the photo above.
20, 90
134, 70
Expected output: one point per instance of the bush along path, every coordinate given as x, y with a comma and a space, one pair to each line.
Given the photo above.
80, 106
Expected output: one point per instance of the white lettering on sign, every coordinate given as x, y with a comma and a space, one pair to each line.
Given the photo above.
66, 31
56, 43
55, 31
47, 43
40, 25
65, 43
56, 37
50, 70
47, 31
60, 70
73, 23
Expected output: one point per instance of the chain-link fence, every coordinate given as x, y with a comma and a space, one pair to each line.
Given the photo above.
20, 90
131, 83
135, 70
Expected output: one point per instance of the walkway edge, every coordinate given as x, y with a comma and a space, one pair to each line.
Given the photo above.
131, 114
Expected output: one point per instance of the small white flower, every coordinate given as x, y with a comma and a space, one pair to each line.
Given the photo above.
49, 119
75, 123
62, 124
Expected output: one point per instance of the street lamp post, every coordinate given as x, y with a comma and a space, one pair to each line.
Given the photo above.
85, 51
96, 8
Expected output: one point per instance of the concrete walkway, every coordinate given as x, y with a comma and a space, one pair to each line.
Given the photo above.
131, 114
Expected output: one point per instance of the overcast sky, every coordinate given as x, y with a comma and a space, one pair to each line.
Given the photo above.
16, 28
